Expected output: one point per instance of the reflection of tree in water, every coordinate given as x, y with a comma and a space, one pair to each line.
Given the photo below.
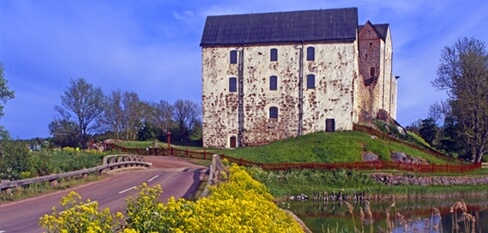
403, 216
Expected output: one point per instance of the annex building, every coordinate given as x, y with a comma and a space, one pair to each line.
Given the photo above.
271, 76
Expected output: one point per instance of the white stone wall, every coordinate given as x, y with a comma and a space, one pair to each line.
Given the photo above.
335, 68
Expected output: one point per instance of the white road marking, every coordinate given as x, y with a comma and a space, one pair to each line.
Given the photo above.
123, 191
156, 176
2, 231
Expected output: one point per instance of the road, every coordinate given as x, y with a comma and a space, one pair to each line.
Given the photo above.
177, 178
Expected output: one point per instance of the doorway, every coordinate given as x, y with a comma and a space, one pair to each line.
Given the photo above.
233, 142
329, 125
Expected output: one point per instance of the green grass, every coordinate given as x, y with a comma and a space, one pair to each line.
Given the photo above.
37, 189
293, 182
327, 148
147, 144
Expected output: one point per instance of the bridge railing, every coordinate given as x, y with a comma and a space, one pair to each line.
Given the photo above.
215, 169
110, 162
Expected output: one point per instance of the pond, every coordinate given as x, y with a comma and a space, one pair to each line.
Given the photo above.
419, 215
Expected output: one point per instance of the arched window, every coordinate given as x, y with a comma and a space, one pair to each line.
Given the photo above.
310, 81
233, 57
310, 53
232, 84
273, 83
273, 55
273, 113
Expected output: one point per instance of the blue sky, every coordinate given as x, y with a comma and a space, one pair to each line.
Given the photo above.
152, 47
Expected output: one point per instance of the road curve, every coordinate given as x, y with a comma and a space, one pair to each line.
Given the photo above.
177, 178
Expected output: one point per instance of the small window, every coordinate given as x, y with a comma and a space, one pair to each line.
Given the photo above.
273, 83
273, 113
310, 81
310, 54
371, 72
233, 57
274, 55
232, 84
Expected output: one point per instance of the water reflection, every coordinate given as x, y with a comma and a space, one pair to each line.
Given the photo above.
420, 215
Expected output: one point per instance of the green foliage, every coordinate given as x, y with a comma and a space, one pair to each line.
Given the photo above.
15, 160
428, 130
310, 181
64, 160
463, 74
5, 92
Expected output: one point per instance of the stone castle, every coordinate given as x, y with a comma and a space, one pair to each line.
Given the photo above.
271, 76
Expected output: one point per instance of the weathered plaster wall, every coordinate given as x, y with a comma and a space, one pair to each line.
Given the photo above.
335, 67
219, 106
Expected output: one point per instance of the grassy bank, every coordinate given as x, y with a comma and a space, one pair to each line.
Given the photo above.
323, 147
310, 182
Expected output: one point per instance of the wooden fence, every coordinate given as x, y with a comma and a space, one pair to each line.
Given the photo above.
375, 165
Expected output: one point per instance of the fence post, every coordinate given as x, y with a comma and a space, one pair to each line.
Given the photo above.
172, 151
204, 155
447, 167
186, 152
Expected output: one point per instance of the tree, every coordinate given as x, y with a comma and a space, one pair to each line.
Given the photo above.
82, 103
162, 115
185, 114
112, 118
463, 74
124, 113
428, 130
5, 93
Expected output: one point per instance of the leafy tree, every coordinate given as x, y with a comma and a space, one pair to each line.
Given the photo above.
449, 137
14, 160
5, 93
146, 132
63, 133
185, 114
463, 74
428, 130
82, 104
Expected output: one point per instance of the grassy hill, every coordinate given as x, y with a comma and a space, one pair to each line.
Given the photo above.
347, 146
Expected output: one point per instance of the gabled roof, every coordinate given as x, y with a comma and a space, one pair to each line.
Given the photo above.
294, 26
381, 29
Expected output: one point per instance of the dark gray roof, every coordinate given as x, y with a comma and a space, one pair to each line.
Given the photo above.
294, 26
381, 29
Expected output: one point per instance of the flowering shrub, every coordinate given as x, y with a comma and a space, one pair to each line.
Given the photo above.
241, 204
79, 216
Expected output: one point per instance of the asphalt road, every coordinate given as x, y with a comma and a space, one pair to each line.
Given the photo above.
177, 179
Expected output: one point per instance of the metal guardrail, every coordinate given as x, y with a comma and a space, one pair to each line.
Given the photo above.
110, 162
